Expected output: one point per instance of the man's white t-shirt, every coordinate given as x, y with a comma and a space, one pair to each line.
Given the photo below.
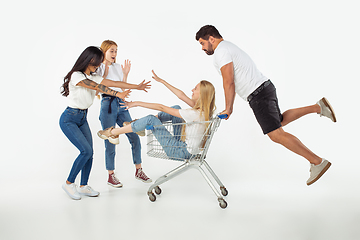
81, 97
115, 73
194, 132
247, 77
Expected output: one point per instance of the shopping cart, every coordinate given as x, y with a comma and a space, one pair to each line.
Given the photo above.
164, 141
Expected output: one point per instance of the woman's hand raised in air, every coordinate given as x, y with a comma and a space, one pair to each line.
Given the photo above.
180, 94
126, 68
156, 78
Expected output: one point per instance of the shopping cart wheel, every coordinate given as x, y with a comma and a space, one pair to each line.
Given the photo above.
152, 197
222, 203
224, 192
157, 190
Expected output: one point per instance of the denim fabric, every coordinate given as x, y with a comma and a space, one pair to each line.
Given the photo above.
173, 147
117, 116
74, 125
164, 117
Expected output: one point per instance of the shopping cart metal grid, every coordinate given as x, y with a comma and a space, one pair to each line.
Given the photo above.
161, 144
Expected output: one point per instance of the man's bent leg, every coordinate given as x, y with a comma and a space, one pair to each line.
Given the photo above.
296, 113
293, 144
318, 165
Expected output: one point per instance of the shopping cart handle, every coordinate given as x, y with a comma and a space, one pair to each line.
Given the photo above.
149, 127
222, 116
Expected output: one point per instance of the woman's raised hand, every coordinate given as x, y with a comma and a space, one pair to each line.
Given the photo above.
156, 77
144, 85
126, 67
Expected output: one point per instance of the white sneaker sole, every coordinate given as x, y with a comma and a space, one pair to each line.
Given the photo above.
115, 186
327, 104
320, 174
89, 194
148, 181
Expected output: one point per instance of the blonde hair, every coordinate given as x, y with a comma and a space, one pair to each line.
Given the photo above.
206, 101
106, 45
205, 104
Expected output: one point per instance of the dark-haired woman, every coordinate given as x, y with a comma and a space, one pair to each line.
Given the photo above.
80, 86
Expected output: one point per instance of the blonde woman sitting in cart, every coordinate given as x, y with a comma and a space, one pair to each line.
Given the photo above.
202, 106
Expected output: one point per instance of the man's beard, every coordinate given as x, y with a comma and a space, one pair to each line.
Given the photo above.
210, 50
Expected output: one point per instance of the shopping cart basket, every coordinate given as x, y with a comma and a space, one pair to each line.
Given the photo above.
164, 141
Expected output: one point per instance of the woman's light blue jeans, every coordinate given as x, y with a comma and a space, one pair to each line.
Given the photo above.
73, 123
117, 115
172, 145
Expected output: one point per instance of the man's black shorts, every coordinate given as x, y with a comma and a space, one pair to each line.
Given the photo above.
265, 106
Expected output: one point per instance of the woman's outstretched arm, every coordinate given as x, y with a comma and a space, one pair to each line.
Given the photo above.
87, 83
180, 94
142, 86
154, 106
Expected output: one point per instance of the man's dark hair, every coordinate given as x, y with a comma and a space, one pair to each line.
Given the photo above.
206, 31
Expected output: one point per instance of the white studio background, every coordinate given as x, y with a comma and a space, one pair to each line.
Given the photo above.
309, 49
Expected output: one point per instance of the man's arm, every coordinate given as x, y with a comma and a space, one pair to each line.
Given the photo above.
227, 73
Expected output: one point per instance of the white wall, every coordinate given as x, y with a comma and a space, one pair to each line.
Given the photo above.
309, 49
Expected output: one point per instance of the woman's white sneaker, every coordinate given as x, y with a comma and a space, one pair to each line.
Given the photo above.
70, 189
88, 191
106, 135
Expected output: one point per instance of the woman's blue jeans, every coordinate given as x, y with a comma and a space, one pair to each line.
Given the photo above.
117, 115
164, 117
73, 123
172, 145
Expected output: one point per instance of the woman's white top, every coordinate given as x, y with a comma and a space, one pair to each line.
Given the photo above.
81, 97
115, 73
194, 131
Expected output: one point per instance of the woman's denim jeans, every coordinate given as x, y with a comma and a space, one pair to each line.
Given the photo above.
74, 125
164, 117
172, 145
118, 116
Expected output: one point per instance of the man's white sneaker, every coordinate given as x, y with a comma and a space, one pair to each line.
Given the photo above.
88, 191
70, 189
326, 109
316, 171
